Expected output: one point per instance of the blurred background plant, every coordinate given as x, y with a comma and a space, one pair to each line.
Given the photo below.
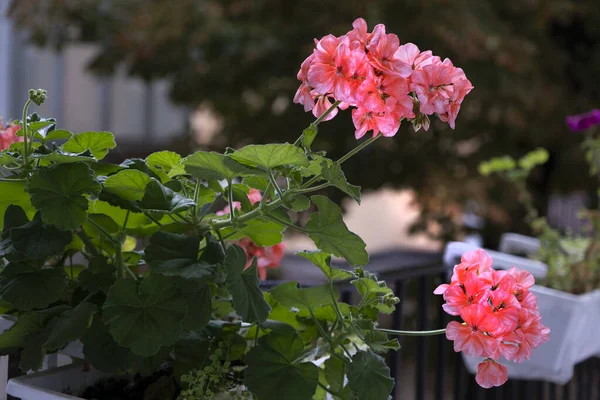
573, 259
531, 63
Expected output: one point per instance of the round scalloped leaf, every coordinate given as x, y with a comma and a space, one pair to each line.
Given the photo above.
145, 317
59, 193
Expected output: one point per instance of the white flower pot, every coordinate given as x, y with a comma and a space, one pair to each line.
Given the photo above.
50, 384
573, 321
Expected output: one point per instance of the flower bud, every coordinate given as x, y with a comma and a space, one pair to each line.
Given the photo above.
37, 96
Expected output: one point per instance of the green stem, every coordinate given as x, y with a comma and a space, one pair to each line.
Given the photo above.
326, 113
151, 218
344, 158
126, 219
325, 388
326, 336
274, 183
319, 120
103, 231
230, 199
412, 333
221, 239
284, 223
25, 134
313, 189
87, 242
358, 148
209, 208
11, 180
196, 195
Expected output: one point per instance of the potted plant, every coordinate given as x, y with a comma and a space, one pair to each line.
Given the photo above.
166, 300
569, 293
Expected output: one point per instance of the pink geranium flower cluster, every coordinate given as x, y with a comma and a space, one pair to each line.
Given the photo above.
8, 135
500, 315
266, 257
386, 82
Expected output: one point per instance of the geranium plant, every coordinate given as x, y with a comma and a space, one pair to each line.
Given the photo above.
140, 262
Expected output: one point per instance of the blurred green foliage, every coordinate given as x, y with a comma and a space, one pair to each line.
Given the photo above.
532, 63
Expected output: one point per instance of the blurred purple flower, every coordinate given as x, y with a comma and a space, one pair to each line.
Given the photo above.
581, 122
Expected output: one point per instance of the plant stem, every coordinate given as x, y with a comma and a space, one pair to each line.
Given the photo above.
25, 133
325, 388
344, 158
412, 333
221, 239
103, 231
274, 183
358, 148
313, 189
87, 242
230, 199
151, 218
326, 113
319, 120
284, 223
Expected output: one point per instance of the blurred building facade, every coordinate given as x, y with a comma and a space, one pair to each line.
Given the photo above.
139, 113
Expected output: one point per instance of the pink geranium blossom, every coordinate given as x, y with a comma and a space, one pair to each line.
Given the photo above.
8, 135
500, 314
386, 82
490, 374
473, 338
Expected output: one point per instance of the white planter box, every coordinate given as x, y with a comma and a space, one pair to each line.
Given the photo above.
49, 384
573, 321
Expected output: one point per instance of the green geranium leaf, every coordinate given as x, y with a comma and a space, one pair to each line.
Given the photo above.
290, 295
159, 198
256, 182
166, 163
59, 193
315, 166
13, 193
7, 159
58, 134
99, 143
335, 372
71, 325
63, 157
174, 254
103, 352
14, 217
269, 156
380, 343
26, 324
243, 284
37, 240
276, 360
198, 296
329, 232
190, 353
27, 287
334, 174
262, 231
128, 184
147, 317
215, 166
299, 203
323, 261
32, 355
326, 312
100, 275
373, 293
369, 376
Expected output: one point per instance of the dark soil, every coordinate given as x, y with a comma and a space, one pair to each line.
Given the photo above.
126, 389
